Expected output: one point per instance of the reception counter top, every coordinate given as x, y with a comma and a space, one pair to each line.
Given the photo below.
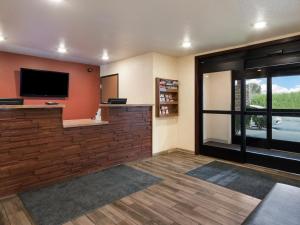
63, 106
125, 105
78, 122
82, 123
90, 122
31, 106
38, 148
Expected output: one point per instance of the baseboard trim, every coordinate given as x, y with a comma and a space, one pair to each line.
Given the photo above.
172, 150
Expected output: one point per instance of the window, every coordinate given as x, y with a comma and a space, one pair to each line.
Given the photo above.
256, 126
217, 129
217, 91
256, 93
286, 92
286, 128
237, 94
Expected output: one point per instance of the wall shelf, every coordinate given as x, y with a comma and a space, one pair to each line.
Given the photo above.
166, 98
169, 91
169, 103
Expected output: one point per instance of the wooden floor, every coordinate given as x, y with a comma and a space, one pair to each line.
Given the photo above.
178, 199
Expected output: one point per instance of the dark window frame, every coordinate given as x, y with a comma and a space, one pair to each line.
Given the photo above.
269, 142
234, 60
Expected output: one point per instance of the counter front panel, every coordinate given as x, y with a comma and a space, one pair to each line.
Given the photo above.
36, 150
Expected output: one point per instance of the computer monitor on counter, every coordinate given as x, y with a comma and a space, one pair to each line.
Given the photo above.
11, 101
117, 100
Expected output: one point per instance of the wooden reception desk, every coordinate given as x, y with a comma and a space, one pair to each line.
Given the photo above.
38, 148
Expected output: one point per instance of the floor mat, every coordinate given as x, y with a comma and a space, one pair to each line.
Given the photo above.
62, 202
250, 182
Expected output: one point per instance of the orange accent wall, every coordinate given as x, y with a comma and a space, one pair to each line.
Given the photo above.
84, 87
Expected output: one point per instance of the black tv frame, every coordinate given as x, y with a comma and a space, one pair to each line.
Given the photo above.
44, 96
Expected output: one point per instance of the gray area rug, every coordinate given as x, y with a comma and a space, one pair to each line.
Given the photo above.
62, 202
244, 180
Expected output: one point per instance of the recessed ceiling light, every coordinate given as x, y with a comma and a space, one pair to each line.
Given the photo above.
260, 25
62, 49
2, 38
186, 44
105, 56
56, 1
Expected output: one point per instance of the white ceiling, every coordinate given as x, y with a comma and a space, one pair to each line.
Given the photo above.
131, 27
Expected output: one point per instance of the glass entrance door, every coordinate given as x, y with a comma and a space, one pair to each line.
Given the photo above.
285, 109
256, 111
272, 109
256, 108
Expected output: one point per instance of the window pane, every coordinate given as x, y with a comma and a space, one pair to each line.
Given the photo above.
217, 91
286, 92
237, 94
217, 128
286, 128
256, 126
237, 122
256, 93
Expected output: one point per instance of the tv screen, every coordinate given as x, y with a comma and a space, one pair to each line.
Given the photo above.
40, 83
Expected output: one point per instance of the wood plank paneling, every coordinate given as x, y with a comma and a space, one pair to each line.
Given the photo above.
36, 150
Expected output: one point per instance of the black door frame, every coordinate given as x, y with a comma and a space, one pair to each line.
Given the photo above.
268, 54
251, 141
269, 112
225, 153
284, 71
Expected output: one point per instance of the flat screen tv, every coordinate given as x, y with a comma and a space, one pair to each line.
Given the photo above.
40, 83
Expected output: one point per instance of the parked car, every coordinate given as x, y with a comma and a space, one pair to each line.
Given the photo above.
276, 121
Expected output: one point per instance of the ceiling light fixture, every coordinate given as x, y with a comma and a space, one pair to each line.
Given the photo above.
260, 25
57, 1
105, 56
186, 44
62, 49
2, 38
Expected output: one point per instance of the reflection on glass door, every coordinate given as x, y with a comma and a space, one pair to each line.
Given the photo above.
286, 128
272, 109
256, 94
237, 95
286, 92
286, 102
256, 126
255, 110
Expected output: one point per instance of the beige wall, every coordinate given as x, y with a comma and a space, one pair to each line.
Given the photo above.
165, 136
186, 119
135, 78
137, 83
